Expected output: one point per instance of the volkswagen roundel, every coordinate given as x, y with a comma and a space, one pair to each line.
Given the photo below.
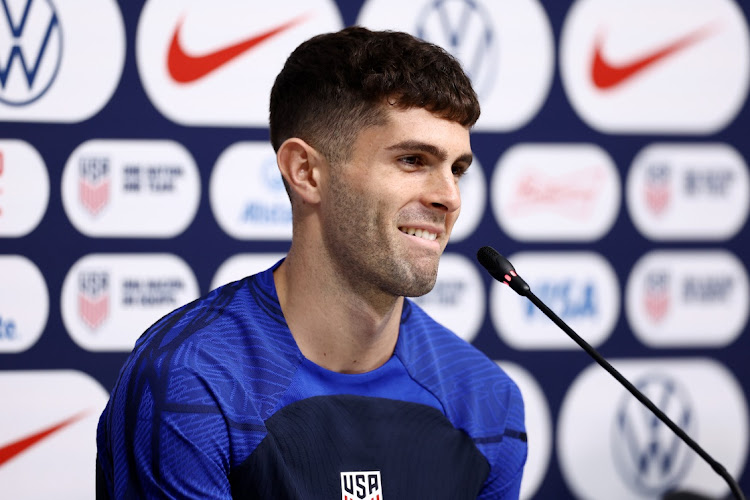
604, 429
505, 46
60, 61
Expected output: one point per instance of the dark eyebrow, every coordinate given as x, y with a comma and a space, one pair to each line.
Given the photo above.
431, 149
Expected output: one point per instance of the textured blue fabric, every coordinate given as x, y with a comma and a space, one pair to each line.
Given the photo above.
191, 403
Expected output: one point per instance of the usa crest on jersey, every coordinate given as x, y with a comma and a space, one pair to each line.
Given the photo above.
361, 485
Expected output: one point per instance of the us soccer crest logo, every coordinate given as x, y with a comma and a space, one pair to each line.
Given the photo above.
361, 485
93, 185
658, 188
93, 298
656, 295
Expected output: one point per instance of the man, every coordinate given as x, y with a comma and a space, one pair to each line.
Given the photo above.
316, 378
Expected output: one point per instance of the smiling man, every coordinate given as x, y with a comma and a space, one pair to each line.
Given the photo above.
317, 378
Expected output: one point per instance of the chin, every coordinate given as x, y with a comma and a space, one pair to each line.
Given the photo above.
417, 288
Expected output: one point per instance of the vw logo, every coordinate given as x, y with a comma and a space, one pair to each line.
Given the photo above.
30, 49
649, 456
463, 28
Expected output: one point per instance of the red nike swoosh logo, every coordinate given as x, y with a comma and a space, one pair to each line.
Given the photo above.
606, 75
15, 448
185, 68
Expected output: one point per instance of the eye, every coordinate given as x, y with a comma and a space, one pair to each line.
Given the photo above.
459, 170
412, 160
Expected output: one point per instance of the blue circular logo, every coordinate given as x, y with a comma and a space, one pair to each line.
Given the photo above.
31, 36
649, 456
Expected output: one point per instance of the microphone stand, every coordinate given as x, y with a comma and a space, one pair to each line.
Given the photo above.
502, 270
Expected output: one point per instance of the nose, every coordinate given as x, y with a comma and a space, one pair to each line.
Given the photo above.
443, 192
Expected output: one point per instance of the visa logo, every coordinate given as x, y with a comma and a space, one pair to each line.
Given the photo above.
568, 298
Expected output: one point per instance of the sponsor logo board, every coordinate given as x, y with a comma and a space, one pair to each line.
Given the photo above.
114, 188
688, 298
580, 287
506, 47
213, 63
675, 66
48, 424
56, 65
610, 446
247, 193
556, 192
24, 188
24, 303
109, 300
688, 192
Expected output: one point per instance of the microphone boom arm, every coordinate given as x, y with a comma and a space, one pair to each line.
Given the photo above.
502, 270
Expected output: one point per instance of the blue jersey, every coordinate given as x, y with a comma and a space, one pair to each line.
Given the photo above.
217, 401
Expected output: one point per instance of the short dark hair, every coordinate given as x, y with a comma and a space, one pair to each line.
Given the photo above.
334, 85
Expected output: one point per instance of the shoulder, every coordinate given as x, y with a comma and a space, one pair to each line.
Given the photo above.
459, 374
194, 393
432, 350
228, 345
207, 374
478, 397
225, 310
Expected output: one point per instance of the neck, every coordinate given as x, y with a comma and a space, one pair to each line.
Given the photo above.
336, 326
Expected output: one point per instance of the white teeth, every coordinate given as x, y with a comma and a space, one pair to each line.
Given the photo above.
419, 233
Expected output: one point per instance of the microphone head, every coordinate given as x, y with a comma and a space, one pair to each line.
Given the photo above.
502, 270
492, 260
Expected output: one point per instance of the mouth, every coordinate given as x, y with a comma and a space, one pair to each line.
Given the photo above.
419, 233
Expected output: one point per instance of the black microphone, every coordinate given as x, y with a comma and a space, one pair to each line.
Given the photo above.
502, 270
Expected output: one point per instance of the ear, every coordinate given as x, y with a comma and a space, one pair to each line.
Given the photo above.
300, 165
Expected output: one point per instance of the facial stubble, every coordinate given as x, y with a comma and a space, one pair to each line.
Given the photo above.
363, 245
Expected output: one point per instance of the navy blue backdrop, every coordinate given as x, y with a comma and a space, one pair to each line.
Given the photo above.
55, 245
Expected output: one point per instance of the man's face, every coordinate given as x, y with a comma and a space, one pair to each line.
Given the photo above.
388, 212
